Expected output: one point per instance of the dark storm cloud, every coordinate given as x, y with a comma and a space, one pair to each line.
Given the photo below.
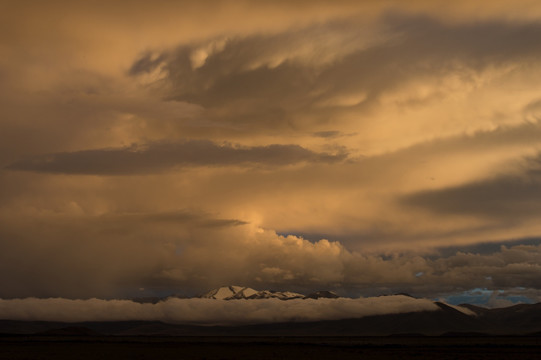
259, 81
159, 157
512, 267
193, 218
146, 64
486, 248
327, 134
506, 197
110, 254
523, 134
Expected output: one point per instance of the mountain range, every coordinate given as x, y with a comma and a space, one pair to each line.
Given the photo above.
239, 292
446, 320
234, 292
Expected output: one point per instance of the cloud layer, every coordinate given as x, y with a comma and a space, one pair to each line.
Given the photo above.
208, 311
189, 253
282, 81
366, 147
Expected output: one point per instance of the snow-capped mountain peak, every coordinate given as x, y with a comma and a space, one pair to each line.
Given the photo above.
229, 292
239, 292
282, 295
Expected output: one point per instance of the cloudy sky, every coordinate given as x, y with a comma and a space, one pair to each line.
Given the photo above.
149, 148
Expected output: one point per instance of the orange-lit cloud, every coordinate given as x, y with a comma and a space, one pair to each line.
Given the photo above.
184, 145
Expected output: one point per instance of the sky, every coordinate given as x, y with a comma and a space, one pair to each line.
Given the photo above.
365, 147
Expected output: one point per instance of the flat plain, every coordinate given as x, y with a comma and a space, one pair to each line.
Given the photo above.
141, 347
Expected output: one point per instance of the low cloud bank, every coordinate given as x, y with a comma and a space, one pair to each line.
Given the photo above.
209, 311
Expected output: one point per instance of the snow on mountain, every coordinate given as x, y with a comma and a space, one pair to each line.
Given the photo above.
224, 293
282, 295
239, 292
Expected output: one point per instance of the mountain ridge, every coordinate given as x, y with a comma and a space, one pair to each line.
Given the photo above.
235, 292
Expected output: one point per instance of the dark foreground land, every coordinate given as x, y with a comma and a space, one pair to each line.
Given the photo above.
261, 348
